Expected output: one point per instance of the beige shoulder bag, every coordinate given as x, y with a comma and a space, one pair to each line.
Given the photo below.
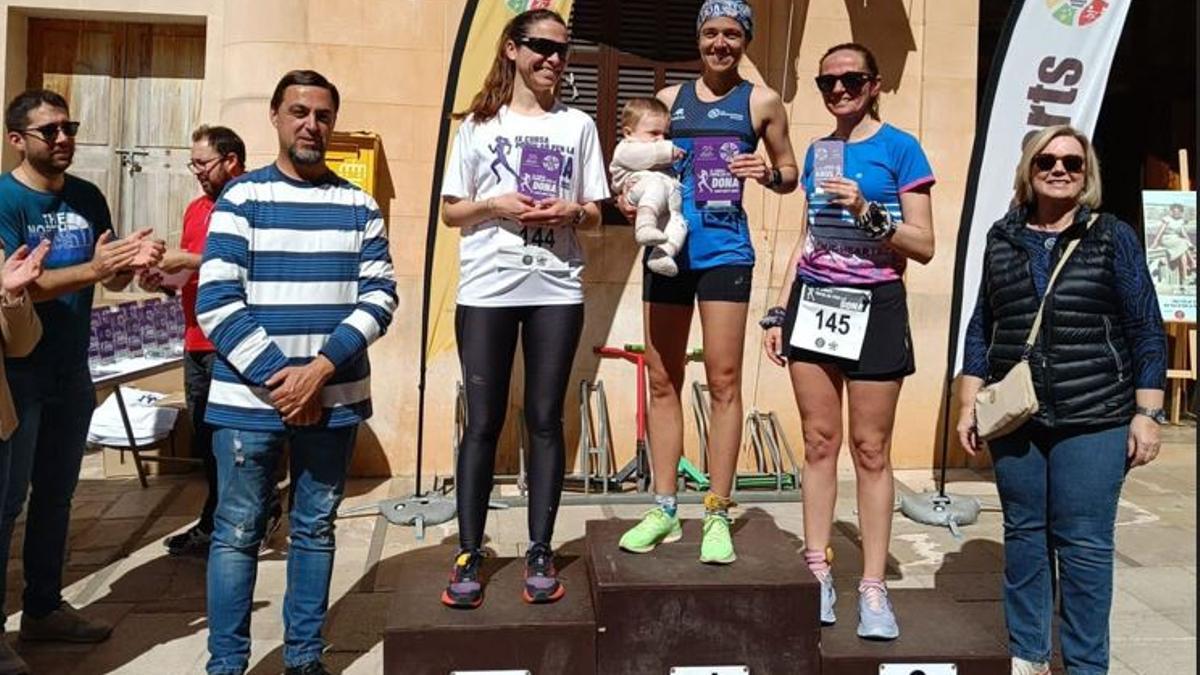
1002, 407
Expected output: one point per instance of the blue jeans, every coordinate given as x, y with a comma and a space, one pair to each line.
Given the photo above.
246, 463
1059, 491
41, 461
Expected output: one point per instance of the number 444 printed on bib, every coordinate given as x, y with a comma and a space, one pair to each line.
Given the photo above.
538, 236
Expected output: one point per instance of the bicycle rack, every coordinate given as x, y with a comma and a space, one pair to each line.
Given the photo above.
701, 410
595, 458
771, 449
763, 437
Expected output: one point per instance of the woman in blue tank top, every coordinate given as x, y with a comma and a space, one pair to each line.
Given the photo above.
718, 120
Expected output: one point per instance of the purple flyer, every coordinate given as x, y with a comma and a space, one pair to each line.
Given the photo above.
541, 170
715, 183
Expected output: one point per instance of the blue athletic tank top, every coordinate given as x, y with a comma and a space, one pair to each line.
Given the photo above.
715, 236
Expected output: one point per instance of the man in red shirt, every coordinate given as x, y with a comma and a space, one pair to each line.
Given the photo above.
218, 156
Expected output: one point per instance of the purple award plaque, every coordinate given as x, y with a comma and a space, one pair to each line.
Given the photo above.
715, 183
541, 171
105, 345
120, 341
828, 161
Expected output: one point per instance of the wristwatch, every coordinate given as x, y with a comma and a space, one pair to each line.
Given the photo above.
580, 216
1157, 414
774, 318
776, 178
877, 221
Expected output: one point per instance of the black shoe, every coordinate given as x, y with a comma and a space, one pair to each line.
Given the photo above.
193, 543
541, 578
465, 589
310, 668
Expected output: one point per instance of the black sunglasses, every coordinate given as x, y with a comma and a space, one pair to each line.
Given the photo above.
853, 81
49, 132
1046, 162
546, 47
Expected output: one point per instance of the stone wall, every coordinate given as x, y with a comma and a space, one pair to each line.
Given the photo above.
389, 59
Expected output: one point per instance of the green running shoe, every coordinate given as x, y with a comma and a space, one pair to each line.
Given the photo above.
716, 544
656, 528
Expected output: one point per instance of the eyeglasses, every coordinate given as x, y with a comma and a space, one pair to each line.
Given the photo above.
199, 167
49, 132
545, 46
853, 82
1046, 162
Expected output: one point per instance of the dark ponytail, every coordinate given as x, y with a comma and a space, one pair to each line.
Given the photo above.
498, 85
868, 60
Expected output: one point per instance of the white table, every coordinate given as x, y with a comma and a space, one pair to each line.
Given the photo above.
125, 371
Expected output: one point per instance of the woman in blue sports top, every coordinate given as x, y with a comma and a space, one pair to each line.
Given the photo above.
842, 326
718, 121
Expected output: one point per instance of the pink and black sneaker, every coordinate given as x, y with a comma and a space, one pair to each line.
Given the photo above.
541, 578
465, 590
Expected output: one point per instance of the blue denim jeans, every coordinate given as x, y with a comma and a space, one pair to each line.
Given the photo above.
246, 463
41, 460
1059, 491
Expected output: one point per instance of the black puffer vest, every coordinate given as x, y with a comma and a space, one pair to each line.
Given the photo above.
1082, 366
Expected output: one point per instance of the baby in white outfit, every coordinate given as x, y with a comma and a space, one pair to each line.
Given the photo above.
641, 166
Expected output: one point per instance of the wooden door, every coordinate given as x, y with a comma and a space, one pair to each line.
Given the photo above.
84, 61
163, 88
136, 89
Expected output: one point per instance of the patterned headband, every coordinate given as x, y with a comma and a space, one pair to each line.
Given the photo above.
737, 10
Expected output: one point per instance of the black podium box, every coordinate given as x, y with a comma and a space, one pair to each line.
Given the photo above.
936, 632
423, 637
665, 609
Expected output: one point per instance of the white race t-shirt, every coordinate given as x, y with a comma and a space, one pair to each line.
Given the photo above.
501, 262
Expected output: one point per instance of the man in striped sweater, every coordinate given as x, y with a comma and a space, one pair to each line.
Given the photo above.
295, 283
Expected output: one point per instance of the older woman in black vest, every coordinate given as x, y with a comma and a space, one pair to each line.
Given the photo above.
1099, 369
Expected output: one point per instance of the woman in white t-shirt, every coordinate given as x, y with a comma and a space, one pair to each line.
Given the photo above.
524, 174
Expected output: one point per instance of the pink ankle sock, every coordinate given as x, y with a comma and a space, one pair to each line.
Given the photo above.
815, 561
867, 582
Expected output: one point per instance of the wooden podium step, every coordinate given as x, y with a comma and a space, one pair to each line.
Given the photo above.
938, 636
423, 637
663, 609
627, 614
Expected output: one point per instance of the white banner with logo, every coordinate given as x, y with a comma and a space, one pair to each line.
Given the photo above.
1051, 67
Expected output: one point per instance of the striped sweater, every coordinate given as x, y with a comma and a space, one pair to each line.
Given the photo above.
291, 270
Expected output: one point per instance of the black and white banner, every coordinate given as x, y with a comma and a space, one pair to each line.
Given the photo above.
1051, 67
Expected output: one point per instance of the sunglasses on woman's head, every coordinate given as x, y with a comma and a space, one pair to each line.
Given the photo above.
1046, 162
545, 46
49, 132
852, 81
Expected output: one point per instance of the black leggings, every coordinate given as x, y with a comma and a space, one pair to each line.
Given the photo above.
487, 341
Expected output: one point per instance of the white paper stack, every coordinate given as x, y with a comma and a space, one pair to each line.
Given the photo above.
149, 422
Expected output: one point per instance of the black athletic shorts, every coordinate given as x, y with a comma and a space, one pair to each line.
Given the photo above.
887, 347
724, 283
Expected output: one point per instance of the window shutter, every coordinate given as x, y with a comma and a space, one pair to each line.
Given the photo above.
583, 89
624, 49
633, 82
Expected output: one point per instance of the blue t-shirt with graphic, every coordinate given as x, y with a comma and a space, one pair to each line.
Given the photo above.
72, 219
836, 252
